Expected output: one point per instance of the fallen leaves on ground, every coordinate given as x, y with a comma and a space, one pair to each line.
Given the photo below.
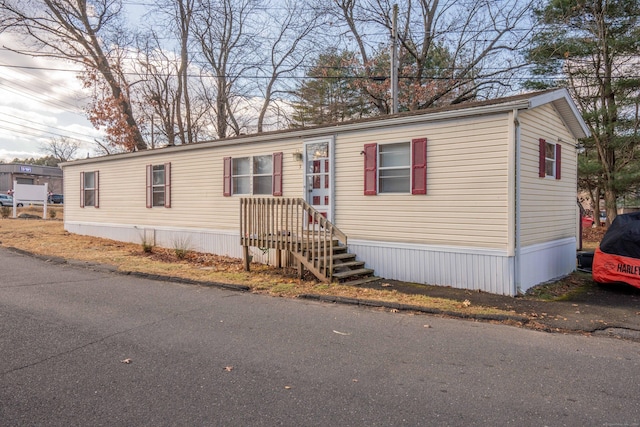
48, 237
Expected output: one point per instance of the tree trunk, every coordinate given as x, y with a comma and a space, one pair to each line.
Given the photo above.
221, 110
610, 197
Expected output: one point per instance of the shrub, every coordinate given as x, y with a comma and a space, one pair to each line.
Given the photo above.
181, 247
5, 211
52, 213
147, 247
147, 240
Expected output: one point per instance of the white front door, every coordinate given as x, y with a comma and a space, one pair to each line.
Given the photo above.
318, 176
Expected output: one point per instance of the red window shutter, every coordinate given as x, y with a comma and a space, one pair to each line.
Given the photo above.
370, 169
96, 175
82, 189
149, 186
227, 177
419, 166
558, 160
542, 158
167, 185
277, 174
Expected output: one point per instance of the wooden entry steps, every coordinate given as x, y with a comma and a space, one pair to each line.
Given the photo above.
346, 269
296, 227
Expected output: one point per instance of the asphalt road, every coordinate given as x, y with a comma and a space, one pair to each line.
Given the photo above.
207, 356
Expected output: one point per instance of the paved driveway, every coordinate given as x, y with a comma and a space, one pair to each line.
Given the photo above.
205, 356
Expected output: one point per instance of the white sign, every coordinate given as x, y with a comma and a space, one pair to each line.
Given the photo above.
25, 168
30, 193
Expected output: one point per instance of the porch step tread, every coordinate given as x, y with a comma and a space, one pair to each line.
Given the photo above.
349, 273
343, 256
342, 259
349, 264
337, 250
361, 281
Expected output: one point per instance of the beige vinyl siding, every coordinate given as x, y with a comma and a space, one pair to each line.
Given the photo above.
197, 199
469, 171
548, 205
467, 186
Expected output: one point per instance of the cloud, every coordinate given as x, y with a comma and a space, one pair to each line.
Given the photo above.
40, 99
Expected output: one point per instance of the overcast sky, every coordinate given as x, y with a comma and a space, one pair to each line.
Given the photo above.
39, 101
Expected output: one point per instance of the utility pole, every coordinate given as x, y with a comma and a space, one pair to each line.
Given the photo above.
394, 61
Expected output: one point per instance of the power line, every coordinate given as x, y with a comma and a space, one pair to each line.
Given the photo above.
34, 86
41, 125
352, 77
31, 91
48, 102
38, 134
40, 131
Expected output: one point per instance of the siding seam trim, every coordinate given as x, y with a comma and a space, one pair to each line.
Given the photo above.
155, 227
430, 248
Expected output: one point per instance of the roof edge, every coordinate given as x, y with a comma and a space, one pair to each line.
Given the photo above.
561, 96
532, 100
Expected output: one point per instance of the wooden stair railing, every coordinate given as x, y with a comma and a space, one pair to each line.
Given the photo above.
295, 226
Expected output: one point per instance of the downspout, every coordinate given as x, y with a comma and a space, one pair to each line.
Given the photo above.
516, 262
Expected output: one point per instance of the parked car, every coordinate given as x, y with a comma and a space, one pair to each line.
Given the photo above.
6, 200
56, 199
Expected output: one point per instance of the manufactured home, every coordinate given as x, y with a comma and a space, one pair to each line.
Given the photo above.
477, 196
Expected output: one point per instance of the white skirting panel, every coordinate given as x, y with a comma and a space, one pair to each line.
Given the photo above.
220, 242
546, 261
465, 268
488, 270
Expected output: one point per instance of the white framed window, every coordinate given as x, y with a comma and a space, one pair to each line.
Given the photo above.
158, 185
550, 164
262, 174
394, 168
241, 175
257, 175
90, 188
550, 159
252, 175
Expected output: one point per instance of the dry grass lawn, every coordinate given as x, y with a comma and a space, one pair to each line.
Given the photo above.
48, 237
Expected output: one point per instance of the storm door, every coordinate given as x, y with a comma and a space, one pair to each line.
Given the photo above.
318, 162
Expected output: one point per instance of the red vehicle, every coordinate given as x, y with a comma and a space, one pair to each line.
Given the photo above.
618, 257
587, 222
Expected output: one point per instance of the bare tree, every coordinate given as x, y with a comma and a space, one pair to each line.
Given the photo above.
81, 31
288, 50
350, 14
178, 16
184, 13
222, 29
158, 88
62, 148
451, 50
103, 149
